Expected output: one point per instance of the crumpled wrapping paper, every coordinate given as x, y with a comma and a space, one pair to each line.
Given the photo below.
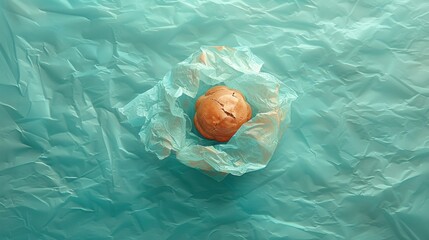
353, 163
164, 112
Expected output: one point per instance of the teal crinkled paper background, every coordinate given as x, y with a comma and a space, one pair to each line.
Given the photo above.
354, 163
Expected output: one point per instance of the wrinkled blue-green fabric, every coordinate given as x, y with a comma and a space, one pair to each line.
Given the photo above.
164, 112
353, 163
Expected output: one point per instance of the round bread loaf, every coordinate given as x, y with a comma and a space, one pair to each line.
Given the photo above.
220, 112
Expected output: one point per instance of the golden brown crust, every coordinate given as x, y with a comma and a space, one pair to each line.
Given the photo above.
220, 112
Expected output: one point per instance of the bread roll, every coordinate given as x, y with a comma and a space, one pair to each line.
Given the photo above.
220, 112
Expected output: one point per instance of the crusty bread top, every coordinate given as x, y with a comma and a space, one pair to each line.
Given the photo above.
220, 112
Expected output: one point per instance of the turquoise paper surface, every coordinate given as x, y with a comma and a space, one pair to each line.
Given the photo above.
353, 163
